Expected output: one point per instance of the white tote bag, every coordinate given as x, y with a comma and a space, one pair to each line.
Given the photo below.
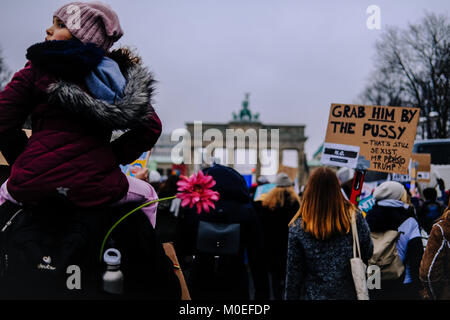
358, 266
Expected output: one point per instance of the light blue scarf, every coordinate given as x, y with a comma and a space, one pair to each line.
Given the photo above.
393, 203
106, 82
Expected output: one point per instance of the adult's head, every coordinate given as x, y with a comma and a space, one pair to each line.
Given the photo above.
324, 211
230, 184
169, 186
89, 22
283, 180
390, 190
279, 197
430, 194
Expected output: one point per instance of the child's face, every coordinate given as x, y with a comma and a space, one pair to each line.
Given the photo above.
58, 31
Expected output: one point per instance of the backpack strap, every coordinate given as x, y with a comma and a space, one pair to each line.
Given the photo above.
355, 237
442, 247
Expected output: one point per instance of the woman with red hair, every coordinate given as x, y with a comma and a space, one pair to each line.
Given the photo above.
320, 243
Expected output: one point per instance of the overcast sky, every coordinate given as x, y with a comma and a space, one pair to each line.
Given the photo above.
295, 57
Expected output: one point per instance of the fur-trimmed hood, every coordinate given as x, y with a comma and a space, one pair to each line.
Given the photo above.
129, 112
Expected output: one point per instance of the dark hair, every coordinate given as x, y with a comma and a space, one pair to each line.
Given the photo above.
430, 194
169, 187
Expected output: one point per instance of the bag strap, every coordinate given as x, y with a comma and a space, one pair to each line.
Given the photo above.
446, 248
355, 237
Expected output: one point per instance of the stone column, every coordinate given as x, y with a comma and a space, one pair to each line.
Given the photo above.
280, 158
300, 166
258, 163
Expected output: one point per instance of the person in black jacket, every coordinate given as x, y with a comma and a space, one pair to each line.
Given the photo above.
277, 209
431, 210
392, 212
217, 277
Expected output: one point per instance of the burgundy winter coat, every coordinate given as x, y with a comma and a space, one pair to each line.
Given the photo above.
70, 151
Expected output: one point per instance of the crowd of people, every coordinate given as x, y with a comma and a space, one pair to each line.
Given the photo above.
299, 246
284, 245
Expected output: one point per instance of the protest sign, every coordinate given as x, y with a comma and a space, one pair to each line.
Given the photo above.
262, 190
367, 189
366, 204
400, 177
139, 163
423, 161
384, 135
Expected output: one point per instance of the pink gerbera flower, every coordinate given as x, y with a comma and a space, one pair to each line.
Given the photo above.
196, 191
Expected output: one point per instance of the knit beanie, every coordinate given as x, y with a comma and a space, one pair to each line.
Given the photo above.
282, 180
389, 190
92, 22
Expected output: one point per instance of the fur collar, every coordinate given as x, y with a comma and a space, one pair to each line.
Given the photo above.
130, 112
71, 61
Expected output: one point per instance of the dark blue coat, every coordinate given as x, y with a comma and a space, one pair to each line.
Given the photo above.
234, 206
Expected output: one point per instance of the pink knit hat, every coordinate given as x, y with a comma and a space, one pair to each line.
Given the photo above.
93, 22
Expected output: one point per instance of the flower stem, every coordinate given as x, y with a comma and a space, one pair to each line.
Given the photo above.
125, 216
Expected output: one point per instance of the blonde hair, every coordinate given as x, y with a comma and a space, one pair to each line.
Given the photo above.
406, 198
277, 197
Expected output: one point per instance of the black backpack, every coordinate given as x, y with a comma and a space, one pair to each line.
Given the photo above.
218, 243
53, 252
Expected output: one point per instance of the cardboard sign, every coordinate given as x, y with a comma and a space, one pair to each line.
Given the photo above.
384, 135
400, 177
423, 160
